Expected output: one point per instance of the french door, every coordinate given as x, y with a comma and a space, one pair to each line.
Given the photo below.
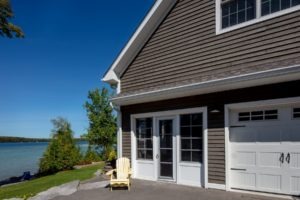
166, 154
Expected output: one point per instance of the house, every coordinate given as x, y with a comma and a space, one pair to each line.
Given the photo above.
208, 95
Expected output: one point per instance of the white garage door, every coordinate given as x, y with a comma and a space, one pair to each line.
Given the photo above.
265, 149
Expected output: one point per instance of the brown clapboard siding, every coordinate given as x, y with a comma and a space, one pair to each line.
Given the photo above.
126, 144
213, 101
185, 48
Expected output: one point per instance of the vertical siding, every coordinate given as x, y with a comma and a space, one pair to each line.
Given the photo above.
185, 49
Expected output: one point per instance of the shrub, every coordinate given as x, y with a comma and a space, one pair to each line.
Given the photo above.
91, 156
61, 153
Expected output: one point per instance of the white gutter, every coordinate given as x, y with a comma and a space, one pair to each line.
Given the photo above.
248, 80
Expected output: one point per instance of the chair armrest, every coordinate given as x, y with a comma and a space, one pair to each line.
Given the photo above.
110, 172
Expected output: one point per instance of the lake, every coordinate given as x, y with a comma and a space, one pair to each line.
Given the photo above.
15, 158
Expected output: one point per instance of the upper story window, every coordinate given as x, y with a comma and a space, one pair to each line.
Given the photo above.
233, 14
237, 11
272, 6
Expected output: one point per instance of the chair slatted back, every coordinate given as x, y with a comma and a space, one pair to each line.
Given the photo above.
123, 167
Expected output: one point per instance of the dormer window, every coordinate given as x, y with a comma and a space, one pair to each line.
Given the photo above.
233, 14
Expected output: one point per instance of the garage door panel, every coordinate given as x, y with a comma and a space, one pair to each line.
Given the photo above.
270, 159
244, 158
295, 185
270, 182
295, 160
244, 180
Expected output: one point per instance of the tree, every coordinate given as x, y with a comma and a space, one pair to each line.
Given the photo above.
102, 129
7, 28
61, 153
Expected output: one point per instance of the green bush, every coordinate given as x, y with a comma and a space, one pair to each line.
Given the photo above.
91, 156
61, 153
112, 155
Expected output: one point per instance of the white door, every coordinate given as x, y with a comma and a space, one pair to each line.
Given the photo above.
265, 149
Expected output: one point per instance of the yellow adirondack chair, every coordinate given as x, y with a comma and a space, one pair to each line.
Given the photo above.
123, 173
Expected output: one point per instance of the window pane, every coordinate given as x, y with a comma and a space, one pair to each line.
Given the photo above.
185, 120
185, 131
166, 141
241, 5
149, 143
148, 133
295, 2
233, 7
197, 131
241, 17
233, 19
141, 154
225, 9
265, 8
285, 4
186, 156
197, 144
225, 22
197, 119
166, 170
197, 156
141, 143
149, 154
166, 155
250, 14
275, 5
185, 144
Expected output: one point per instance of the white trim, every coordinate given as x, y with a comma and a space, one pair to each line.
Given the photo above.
155, 16
174, 114
216, 186
235, 82
252, 104
119, 133
258, 18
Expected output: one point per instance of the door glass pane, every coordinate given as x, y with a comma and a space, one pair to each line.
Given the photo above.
196, 156
166, 155
166, 141
166, 148
186, 156
166, 170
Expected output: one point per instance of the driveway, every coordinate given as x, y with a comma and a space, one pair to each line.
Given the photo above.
148, 190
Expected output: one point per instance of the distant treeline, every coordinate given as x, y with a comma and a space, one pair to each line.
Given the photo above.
22, 139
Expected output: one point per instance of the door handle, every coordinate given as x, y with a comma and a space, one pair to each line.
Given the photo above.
288, 158
281, 159
157, 156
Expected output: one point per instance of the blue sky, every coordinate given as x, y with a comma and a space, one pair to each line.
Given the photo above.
69, 45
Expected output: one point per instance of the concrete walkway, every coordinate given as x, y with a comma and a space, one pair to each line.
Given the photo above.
147, 190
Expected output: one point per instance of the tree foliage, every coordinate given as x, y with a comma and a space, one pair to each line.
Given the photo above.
61, 153
7, 28
102, 123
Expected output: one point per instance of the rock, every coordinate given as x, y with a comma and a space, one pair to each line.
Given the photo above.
62, 190
95, 185
98, 172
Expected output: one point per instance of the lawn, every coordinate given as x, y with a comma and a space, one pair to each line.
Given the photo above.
31, 188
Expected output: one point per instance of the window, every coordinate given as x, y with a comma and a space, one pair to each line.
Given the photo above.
258, 115
144, 138
233, 14
237, 11
296, 113
191, 132
271, 6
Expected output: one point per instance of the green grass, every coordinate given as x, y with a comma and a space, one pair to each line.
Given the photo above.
31, 188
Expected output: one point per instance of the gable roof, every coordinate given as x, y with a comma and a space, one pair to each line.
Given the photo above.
153, 19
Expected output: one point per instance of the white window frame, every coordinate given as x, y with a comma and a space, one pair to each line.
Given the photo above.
259, 18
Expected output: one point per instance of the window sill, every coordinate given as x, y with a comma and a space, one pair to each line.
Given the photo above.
254, 21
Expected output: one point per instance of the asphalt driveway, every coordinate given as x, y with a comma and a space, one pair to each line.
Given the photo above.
148, 190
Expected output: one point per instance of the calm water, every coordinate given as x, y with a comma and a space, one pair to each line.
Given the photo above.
15, 158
